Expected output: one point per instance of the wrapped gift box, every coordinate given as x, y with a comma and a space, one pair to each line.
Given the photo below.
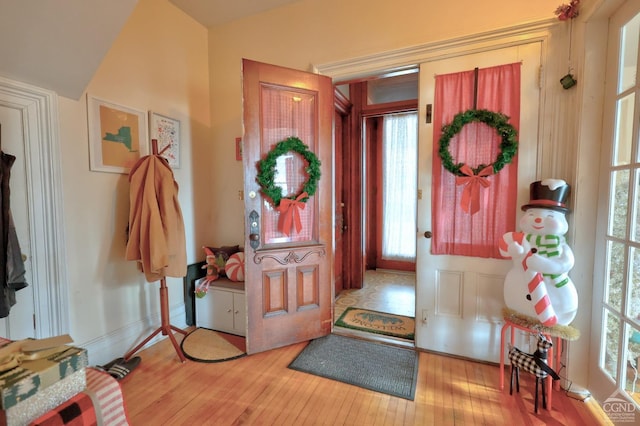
44, 401
38, 371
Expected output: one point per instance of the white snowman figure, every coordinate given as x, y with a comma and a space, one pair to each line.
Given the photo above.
538, 284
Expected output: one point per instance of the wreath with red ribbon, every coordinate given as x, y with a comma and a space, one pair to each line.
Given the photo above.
475, 177
289, 207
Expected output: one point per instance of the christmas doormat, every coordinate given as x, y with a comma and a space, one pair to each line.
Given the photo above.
205, 345
375, 366
378, 322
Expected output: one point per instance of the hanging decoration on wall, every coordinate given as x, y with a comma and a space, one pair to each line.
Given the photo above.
568, 12
473, 178
289, 207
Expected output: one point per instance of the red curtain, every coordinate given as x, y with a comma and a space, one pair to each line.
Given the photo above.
456, 232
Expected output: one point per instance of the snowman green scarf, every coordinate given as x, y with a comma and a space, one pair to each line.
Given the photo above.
549, 246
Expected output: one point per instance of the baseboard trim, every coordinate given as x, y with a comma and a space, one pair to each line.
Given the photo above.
119, 342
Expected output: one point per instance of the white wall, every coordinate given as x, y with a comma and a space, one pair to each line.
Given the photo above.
158, 63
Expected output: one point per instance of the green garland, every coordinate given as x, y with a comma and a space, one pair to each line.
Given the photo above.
267, 170
508, 146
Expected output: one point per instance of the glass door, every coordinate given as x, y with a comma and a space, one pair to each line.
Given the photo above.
617, 301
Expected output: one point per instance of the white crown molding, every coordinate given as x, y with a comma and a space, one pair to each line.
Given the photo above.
412, 56
39, 111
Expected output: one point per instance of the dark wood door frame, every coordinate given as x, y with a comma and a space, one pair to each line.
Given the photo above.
351, 183
352, 111
342, 109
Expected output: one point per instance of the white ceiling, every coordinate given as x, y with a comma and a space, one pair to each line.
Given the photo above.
215, 12
59, 44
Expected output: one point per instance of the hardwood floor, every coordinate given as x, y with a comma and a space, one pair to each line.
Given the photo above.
260, 389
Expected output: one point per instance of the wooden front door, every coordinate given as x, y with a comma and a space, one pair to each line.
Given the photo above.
288, 280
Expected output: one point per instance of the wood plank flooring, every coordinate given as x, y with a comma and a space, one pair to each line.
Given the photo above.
261, 390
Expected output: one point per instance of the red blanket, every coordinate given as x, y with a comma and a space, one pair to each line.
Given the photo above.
77, 411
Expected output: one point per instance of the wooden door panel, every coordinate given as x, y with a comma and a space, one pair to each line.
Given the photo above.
308, 290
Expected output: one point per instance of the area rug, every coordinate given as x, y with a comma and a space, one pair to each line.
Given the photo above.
375, 366
205, 345
378, 322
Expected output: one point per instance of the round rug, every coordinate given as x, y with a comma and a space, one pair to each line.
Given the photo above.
205, 345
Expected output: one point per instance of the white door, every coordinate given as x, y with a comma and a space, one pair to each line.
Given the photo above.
459, 299
20, 322
616, 296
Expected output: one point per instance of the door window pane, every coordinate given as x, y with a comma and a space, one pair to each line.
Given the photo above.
633, 309
624, 130
635, 224
629, 54
393, 88
620, 203
632, 354
615, 266
612, 330
400, 186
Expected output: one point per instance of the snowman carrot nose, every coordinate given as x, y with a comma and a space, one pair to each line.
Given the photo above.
538, 219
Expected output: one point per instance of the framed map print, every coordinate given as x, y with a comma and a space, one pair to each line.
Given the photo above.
117, 136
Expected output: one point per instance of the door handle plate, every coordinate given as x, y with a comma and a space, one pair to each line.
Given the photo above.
254, 229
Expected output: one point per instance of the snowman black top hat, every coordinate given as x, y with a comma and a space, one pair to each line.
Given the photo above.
548, 194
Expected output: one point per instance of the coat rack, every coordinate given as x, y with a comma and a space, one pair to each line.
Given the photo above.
165, 326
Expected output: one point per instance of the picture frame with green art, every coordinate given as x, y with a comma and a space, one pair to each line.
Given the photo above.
117, 136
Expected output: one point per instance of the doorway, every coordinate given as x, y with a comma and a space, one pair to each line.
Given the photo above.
28, 116
379, 132
469, 302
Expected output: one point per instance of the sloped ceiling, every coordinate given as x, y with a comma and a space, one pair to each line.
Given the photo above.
58, 44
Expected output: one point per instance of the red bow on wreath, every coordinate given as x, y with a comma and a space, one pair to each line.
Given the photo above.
290, 213
470, 202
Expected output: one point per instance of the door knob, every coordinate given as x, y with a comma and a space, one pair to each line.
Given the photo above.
428, 234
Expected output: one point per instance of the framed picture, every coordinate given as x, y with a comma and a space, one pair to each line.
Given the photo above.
239, 149
166, 131
117, 136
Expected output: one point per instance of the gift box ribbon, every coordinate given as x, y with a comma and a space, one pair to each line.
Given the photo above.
15, 359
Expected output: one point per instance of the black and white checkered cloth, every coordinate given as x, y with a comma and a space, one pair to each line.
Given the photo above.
535, 363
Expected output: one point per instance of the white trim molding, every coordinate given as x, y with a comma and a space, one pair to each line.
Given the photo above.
410, 57
39, 111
